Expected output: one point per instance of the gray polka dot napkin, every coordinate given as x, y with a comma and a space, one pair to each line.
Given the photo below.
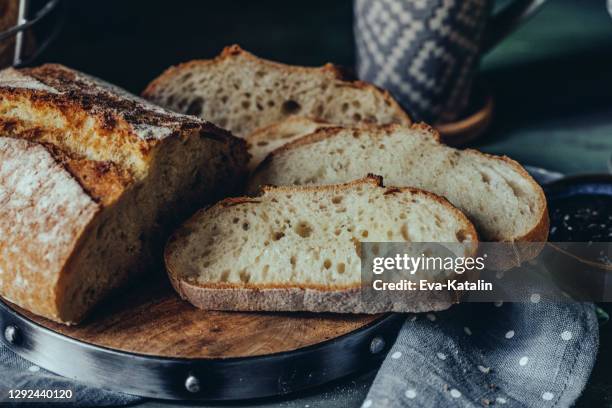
17, 373
533, 354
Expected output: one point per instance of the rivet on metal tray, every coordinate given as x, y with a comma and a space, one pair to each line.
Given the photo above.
12, 335
192, 384
377, 345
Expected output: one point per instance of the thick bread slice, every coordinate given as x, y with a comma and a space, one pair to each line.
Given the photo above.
298, 248
91, 180
263, 141
242, 93
496, 193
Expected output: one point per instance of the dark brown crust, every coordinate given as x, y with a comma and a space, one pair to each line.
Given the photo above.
104, 181
79, 98
229, 296
539, 233
113, 112
234, 51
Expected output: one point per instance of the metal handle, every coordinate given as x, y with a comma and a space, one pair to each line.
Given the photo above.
507, 20
23, 23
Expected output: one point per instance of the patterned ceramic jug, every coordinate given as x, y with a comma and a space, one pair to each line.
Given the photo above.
426, 51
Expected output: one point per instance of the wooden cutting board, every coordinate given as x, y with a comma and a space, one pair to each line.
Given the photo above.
153, 320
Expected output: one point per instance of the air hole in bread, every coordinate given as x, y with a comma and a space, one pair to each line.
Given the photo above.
485, 178
224, 275
236, 220
364, 233
303, 229
245, 226
262, 143
341, 267
438, 221
290, 107
327, 264
357, 117
293, 260
244, 276
277, 235
462, 235
337, 199
338, 231
246, 104
404, 232
345, 107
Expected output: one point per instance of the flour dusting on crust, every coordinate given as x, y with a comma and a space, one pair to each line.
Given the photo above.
43, 211
109, 103
11, 78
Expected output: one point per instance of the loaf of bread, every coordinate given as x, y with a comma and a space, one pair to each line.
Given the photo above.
91, 179
242, 93
496, 193
298, 248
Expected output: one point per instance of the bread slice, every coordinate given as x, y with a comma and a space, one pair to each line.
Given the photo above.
263, 141
242, 93
496, 193
91, 181
298, 248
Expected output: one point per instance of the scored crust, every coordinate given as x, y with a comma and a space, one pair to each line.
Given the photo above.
61, 127
287, 297
44, 214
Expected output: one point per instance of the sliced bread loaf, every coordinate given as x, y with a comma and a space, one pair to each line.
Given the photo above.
298, 248
91, 180
242, 93
496, 193
263, 141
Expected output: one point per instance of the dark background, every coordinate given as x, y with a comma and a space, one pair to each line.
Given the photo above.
552, 83
130, 42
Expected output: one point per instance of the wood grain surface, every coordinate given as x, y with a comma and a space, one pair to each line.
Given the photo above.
153, 320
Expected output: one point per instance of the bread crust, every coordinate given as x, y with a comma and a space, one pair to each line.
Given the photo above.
299, 299
47, 112
306, 297
38, 239
539, 232
330, 71
261, 133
